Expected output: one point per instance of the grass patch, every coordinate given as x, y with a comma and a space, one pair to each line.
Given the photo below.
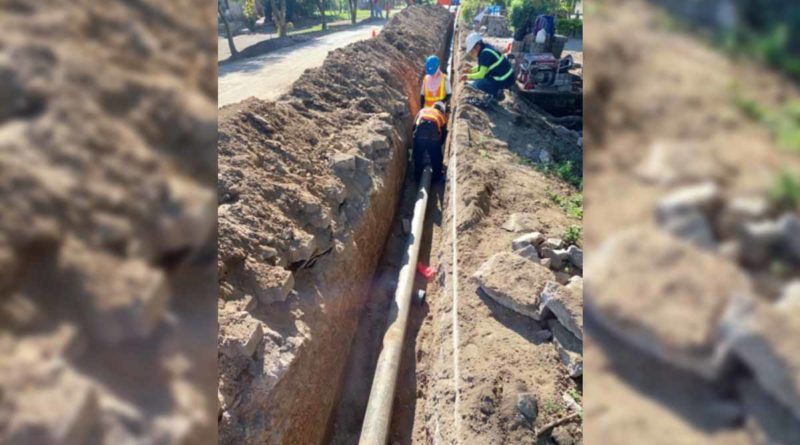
565, 171
785, 191
572, 204
552, 407
784, 123
572, 235
576, 396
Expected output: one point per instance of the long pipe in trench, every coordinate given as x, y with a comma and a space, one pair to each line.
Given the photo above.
377, 419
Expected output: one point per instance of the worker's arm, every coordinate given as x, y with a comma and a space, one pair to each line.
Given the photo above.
422, 94
479, 74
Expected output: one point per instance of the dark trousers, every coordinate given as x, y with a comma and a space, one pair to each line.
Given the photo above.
433, 147
493, 87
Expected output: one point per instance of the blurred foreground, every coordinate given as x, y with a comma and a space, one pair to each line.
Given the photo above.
693, 232
107, 226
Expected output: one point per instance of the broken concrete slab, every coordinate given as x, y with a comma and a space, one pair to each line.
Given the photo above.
575, 256
766, 338
569, 348
530, 239
552, 243
514, 282
704, 197
664, 296
692, 226
529, 252
565, 304
558, 257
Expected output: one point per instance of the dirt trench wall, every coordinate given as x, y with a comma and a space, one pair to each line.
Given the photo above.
307, 188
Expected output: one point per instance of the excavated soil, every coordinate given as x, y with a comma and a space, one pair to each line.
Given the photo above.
308, 187
679, 350
107, 128
501, 354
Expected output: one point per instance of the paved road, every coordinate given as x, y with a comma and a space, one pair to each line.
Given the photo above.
271, 75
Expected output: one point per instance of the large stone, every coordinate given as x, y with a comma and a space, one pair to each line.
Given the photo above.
740, 211
569, 348
558, 257
703, 197
529, 239
344, 164
514, 282
758, 240
678, 162
575, 256
766, 338
529, 252
528, 406
663, 296
239, 335
790, 230
692, 226
565, 304
552, 243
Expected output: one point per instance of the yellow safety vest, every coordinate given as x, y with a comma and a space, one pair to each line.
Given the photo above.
432, 115
494, 65
431, 97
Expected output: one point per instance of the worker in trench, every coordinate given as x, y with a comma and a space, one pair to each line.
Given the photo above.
493, 73
430, 132
435, 85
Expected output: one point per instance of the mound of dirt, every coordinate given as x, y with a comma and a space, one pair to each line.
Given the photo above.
307, 188
107, 126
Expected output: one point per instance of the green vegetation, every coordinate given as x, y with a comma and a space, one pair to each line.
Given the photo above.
520, 10
569, 27
785, 191
566, 171
572, 235
576, 396
552, 406
784, 123
572, 204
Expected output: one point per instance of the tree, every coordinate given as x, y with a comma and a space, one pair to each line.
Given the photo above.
234, 52
279, 16
321, 4
353, 4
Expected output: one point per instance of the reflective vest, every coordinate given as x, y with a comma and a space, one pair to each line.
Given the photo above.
432, 115
502, 76
433, 97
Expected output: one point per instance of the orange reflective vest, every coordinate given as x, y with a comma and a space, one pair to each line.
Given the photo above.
432, 115
432, 97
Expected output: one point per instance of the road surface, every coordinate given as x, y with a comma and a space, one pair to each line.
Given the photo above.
271, 75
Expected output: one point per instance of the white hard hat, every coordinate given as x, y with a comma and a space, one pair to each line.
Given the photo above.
472, 40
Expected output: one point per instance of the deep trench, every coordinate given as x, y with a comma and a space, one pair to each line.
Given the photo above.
346, 419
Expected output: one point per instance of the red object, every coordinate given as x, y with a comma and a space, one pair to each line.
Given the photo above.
427, 271
443, 2
374, 33
508, 50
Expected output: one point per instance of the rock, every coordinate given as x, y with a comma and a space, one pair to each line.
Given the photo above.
531, 239
240, 336
740, 211
730, 250
562, 278
521, 222
575, 256
542, 336
565, 304
269, 284
529, 252
790, 297
552, 243
757, 240
569, 348
562, 436
663, 296
528, 406
344, 165
703, 197
789, 225
766, 338
558, 258
514, 282
546, 262
691, 226
576, 284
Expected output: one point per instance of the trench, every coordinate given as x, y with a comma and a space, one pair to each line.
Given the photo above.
346, 419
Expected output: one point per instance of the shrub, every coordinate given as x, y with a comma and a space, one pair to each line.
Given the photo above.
569, 27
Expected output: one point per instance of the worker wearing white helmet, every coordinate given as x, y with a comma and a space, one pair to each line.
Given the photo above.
493, 73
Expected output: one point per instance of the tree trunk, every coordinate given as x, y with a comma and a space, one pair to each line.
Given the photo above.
231, 46
322, 11
353, 9
279, 17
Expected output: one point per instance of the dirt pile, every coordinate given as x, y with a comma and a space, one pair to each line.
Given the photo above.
107, 228
511, 364
307, 188
693, 247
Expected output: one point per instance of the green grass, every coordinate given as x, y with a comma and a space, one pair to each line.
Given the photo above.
572, 235
785, 191
576, 396
572, 204
563, 170
783, 123
552, 406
